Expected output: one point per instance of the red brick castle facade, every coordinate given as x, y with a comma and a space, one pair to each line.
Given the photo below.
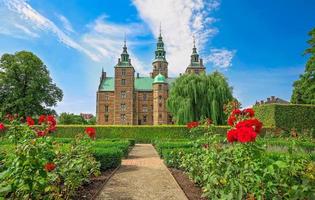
129, 100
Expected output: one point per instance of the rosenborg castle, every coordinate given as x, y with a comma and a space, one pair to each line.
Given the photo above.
127, 99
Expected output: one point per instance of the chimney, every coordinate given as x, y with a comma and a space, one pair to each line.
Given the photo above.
180, 74
103, 75
118, 60
273, 99
268, 100
138, 75
262, 102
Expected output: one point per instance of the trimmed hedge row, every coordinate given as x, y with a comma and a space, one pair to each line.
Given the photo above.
286, 116
162, 146
141, 134
108, 157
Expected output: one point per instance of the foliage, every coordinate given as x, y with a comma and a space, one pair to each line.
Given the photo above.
193, 97
38, 168
108, 157
304, 88
25, 85
70, 118
286, 116
142, 133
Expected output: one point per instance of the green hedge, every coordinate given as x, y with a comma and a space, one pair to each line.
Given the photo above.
161, 146
108, 157
286, 116
173, 157
141, 134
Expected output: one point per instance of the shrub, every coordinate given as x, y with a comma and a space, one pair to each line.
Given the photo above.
161, 146
173, 157
108, 157
122, 145
286, 116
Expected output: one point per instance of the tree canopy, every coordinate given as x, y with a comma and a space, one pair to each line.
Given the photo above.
26, 87
70, 118
304, 88
193, 97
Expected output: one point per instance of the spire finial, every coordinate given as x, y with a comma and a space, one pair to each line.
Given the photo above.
160, 29
194, 40
125, 39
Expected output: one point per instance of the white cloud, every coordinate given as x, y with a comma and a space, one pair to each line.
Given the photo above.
105, 40
220, 58
66, 24
181, 19
23, 19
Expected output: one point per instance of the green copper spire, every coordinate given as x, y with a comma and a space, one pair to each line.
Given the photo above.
160, 52
194, 55
125, 56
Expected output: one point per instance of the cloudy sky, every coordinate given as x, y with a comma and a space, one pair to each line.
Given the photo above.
257, 44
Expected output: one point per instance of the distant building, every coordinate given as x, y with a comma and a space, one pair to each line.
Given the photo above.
86, 116
134, 100
271, 100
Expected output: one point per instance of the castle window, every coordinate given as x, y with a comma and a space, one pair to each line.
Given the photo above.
123, 117
144, 97
160, 87
106, 108
196, 71
160, 98
160, 105
145, 108
123, 81
144, 118
106, 118
160, 116
106, 97
123, 72
123, 94
122, 107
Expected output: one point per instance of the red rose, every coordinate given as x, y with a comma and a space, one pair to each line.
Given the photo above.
236, 112
9, 117
209, 121
192, 124
50, 166
41, 119
246, 134
30, 121
51, 120
90, 132
41, 133
249, 112
231, 120
232, 135
2, 127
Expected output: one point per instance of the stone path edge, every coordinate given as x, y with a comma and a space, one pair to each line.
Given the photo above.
103, 185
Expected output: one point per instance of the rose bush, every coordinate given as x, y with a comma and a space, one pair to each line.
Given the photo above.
38, 169
242, 168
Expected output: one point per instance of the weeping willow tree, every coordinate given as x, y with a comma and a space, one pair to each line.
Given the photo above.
194, 97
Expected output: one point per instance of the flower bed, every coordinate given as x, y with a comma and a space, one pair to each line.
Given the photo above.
241, 168
34, 165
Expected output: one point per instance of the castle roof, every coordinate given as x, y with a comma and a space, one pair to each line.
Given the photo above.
141, 83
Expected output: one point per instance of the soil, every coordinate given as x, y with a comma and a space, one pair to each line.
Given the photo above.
192, 191
91, 189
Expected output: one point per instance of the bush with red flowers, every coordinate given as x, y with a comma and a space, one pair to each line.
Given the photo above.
39, 169
244, 127
90, 132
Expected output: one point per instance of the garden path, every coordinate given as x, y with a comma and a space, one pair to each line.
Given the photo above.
143, 176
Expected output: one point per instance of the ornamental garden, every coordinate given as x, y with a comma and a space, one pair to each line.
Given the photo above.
217, 150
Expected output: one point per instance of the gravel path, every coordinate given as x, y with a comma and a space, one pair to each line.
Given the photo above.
143, 176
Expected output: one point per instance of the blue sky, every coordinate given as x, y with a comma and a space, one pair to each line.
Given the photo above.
257, 44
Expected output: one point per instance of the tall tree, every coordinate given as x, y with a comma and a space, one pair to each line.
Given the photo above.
25, 85
193, 97
304, 88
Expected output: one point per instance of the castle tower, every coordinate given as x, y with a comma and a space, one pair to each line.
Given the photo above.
159, 63
160, 94
196, 64
124, 90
